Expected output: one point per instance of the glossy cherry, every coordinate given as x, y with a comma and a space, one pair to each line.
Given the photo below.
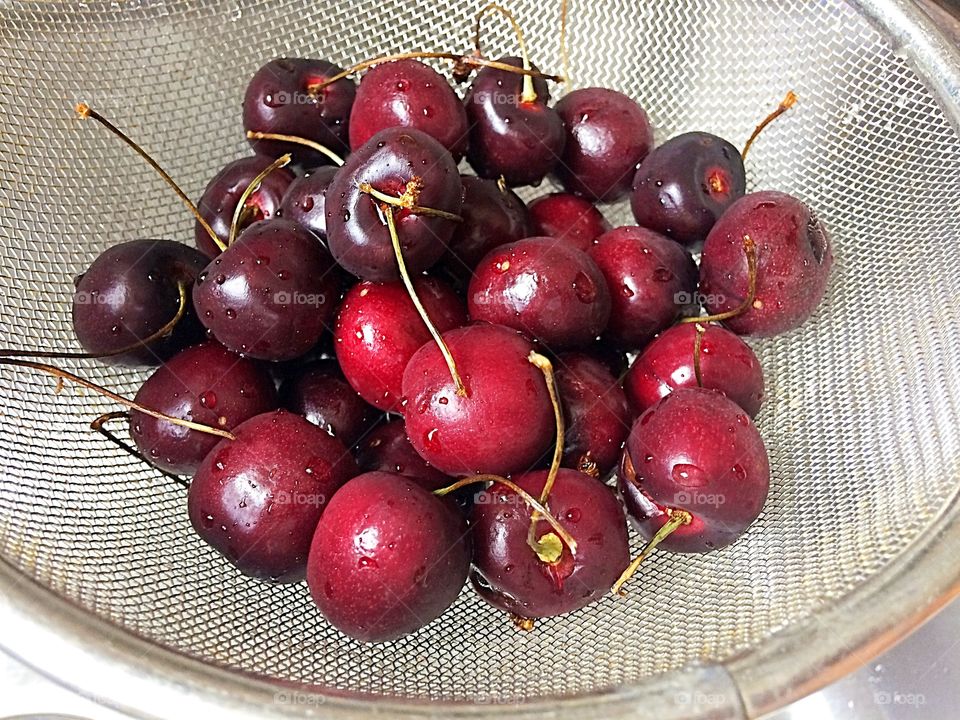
257, 499
280, 99
305, 200
129, 293
568, 218
509, 575
727, 364
519, 141
608, 135
794, 257
378, 330
652, 282
388, 557
696, 450
270, 294
409, 94
503, 424
386, 448
390, 161
683, 186
543, 287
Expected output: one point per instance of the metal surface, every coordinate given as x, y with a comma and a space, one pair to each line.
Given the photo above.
856, 543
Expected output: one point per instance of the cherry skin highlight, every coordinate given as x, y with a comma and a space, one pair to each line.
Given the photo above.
568, 218
257, 499
695, 450
387, 558
305, 200
727, 364
387, 449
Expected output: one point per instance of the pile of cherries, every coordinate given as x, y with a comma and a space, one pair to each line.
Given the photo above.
362, 330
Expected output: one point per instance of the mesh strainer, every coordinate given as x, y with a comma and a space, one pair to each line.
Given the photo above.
104, 586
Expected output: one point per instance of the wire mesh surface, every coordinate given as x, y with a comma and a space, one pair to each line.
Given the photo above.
861, 416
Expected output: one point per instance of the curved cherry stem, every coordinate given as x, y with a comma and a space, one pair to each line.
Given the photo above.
62, 375
789, 100
750, 249
84, 111
529, 94
408, 200
99, 424
323, 149
139, 344
250, 189
697, 349
677, 519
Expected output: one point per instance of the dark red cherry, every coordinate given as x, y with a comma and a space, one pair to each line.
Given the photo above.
505, 422
270, 294
683, 186
280, 99
386, 448
509, 575
652, 283
543, 287
129, 293
388, 558
257, 499
568, 218
219, 201
727, 364
378, 330
305, 200
390, 161
519, 141
206, 384
408, 94
696, 450
597, 415
794, 258
319, 392
608, 135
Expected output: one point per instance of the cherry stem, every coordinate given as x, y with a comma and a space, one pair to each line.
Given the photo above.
139, 344
677, 518
323, 149
750, 249
529, 94
546, 367
459, 59
789, 100
254, 185
408, 200
697, 348
524, 495
85, 111
523, 623
408, 283
564, 57
126, 402
98, 425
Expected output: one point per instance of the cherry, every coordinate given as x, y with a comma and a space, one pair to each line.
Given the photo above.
512, 137
387, 558
257, 498
412, 168
219, 200
503, 422
130, 293
509, 575
271, 293
652, 282
386, 448
697, 451
726, 363
546, 288
207, 384
283, 97
378, 330
683, 186
409, 94
597, 415
608, 135
319, 392
569, 218
793, 257
305, 200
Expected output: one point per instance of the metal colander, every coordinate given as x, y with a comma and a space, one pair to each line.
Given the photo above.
104, 585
